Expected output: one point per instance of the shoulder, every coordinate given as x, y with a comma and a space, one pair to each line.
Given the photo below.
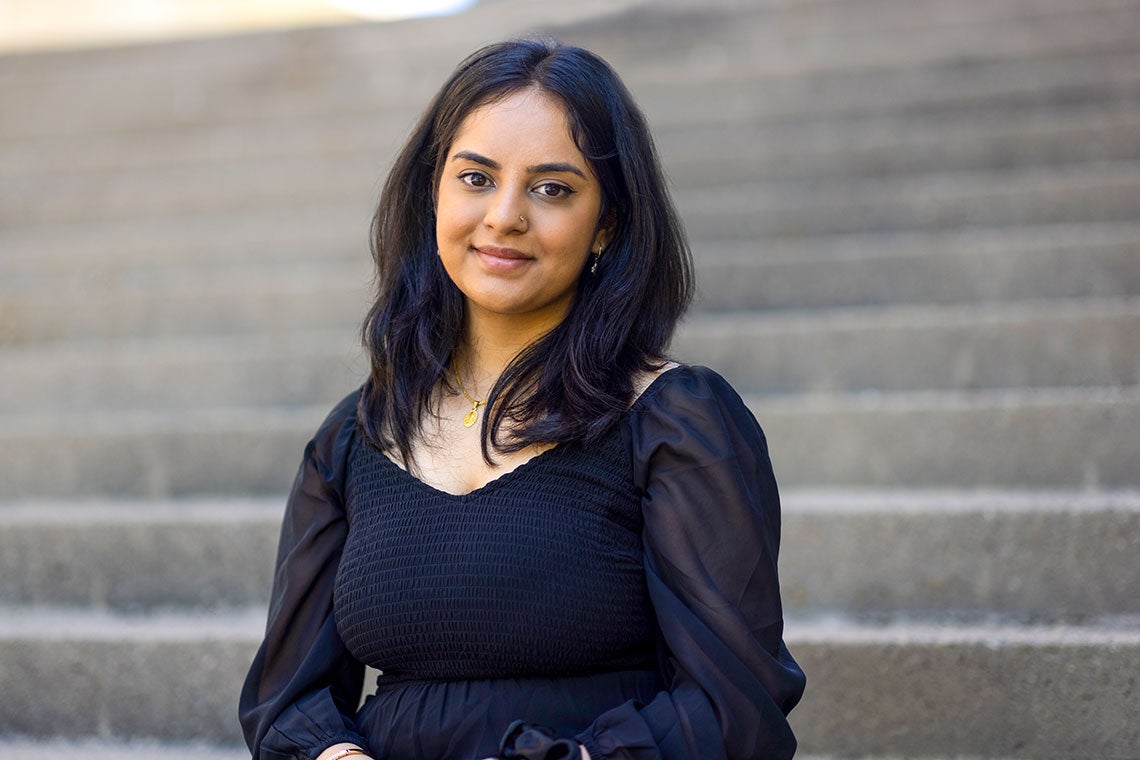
690, 416
690, 385
330, 443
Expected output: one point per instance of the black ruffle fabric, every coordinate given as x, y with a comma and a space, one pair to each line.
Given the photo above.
624, 594
524, 741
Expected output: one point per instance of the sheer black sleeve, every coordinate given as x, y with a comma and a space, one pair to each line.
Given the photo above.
301, 694
711, 537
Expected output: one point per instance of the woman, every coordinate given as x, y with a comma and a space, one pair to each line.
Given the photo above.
550, 540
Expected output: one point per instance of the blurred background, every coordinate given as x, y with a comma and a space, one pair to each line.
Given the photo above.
917, 231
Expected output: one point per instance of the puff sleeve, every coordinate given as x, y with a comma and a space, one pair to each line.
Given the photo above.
302, 690
711, 539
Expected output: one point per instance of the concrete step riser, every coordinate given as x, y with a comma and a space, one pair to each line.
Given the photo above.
968, 699
112, 749
159, 463
1098, 194
927, 559
407, 39
978, 561
262, 371
937, 267
1082, 193
1037, 349
937, 697
228, 99
1047, 442
181, 690
26, 320
1072, 439
221, 299
948, 90
930, 273
707, 159
798, 43
302, 372
1047, 345
334, 231
223, 560
698, 160
693, 153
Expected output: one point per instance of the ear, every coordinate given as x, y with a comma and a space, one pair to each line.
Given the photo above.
605, 231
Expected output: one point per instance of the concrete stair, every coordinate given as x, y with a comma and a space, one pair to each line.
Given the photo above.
915, 223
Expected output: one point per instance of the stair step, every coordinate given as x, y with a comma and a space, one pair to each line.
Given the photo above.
961, 554
156, 454
884, 146
1085, 192
785, 44
131, 556
1029, 344
364, 84
286, 299
315, 232
981, 691
952, 88
955, 266
248, 369
866, 20
1080, 131
75, 673
1067, 438
941, 690
1037, 344
1042, 438
110, 749
948, 555
397, 62
1039, 195
967, 264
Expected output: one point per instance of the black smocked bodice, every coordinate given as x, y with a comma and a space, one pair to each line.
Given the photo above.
538, 573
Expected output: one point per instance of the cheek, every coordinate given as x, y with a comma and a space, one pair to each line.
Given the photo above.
452, 216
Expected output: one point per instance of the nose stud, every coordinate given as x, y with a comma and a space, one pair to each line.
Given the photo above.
524, 221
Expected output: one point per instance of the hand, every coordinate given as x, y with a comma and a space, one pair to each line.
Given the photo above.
334, 749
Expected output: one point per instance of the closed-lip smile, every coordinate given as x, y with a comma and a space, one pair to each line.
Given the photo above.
501, 253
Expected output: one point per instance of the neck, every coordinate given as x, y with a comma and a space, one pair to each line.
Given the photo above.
491, 342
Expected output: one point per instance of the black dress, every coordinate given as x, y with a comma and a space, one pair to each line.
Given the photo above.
624, 594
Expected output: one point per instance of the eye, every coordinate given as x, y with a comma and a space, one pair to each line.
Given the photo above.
554, 190
475, 179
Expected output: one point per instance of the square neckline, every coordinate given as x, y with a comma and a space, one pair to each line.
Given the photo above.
506, 477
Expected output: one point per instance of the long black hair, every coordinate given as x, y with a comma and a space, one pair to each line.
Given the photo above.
575, 382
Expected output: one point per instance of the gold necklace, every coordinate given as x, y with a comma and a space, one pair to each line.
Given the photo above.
471, 416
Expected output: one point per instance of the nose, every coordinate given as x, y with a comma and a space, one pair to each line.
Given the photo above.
506, 212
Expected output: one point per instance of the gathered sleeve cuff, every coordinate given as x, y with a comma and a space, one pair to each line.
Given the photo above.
302, 690
711, 540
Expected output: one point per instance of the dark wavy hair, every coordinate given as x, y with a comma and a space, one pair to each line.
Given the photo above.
575, 382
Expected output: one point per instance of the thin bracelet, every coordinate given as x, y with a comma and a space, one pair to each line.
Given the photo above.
346, 752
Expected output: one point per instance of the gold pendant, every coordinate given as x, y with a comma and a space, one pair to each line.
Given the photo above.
470, 417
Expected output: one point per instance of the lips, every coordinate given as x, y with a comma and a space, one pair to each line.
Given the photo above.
502, 253
502, 261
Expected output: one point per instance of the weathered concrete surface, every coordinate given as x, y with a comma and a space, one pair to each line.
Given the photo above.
920, 690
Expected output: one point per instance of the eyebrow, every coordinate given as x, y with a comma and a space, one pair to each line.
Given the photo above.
556, 166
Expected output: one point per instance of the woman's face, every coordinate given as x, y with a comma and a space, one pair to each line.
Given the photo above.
513, 160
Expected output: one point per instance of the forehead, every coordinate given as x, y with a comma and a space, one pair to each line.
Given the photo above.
528, 125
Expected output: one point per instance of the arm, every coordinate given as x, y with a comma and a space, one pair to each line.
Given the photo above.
302, 690
711, 538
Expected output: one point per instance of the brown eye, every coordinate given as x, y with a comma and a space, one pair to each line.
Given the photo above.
554, 190
475, 179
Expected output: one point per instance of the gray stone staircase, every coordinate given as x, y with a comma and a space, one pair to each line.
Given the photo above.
917, 224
